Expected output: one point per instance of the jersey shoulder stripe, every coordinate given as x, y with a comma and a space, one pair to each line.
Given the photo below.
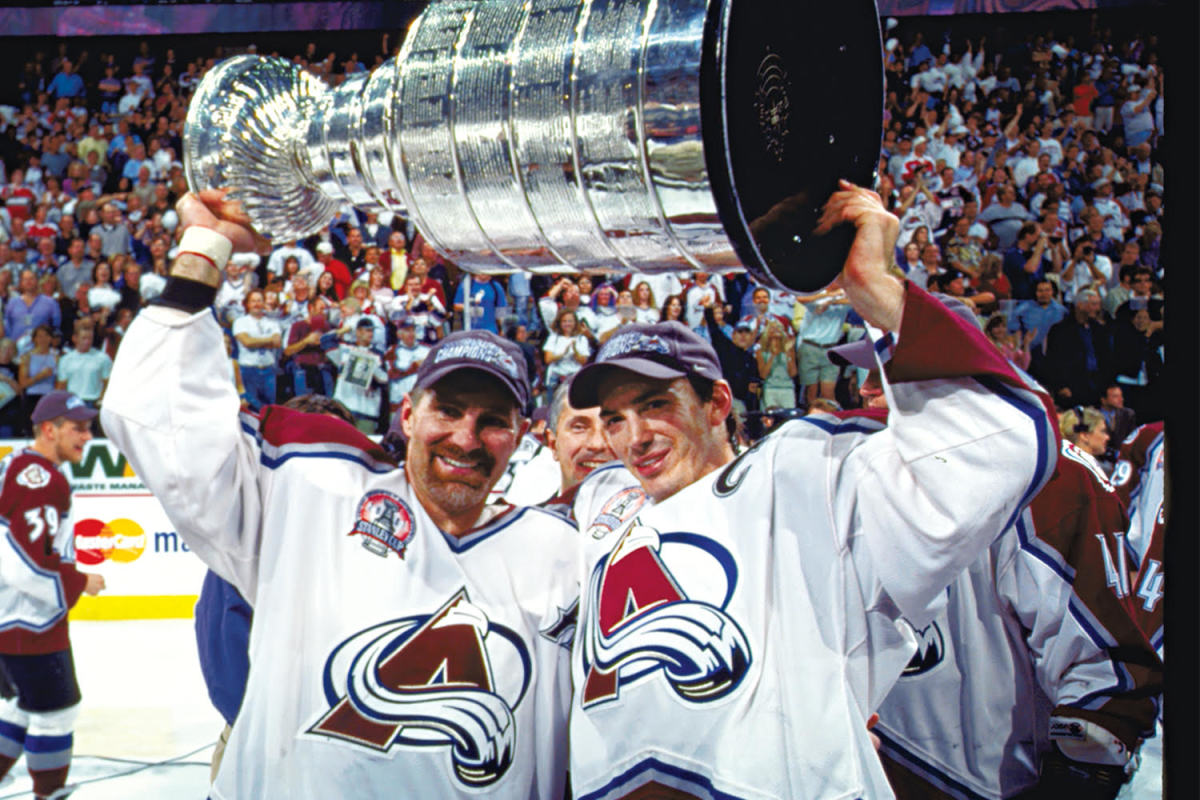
1032, 405
1074, 454
844, 422
282, 426
277, 448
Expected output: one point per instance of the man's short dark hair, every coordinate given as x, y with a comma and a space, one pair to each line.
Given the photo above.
703, 387
1026, 229
320, 404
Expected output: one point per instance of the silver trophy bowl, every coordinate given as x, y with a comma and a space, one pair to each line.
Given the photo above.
559, 135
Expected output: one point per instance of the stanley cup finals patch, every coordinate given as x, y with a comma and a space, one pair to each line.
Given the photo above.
385, 523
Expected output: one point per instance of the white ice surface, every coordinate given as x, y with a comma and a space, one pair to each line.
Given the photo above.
144, 701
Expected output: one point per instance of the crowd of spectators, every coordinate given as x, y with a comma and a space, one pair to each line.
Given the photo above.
1027, 179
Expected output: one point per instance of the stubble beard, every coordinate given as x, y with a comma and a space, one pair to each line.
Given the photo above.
450, 496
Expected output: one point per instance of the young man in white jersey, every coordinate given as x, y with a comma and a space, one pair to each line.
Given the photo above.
408, 638
740, 616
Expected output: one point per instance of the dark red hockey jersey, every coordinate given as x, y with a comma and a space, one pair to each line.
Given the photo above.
38, 579
1080, 514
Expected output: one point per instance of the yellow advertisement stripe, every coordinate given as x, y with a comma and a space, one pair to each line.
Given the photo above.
160, 606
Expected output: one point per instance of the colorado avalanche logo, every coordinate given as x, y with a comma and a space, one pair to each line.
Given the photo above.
449, 679
385, 522
642, 620
34, 477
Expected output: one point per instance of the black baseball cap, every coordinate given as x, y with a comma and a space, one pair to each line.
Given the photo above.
483, 351
664, 350
60, 403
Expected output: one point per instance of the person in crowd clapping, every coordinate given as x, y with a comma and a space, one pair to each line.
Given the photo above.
777, 366
566, 349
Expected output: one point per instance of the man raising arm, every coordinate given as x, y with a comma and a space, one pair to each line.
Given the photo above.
397, 646
758, 598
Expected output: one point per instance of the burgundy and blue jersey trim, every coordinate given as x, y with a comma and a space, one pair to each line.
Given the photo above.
1083, 616
931, 774
660, 771
312, 437
460, 544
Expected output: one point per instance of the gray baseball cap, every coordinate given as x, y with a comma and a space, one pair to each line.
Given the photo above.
483, 351
664, 350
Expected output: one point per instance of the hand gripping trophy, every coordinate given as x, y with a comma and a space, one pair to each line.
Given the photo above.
551, 135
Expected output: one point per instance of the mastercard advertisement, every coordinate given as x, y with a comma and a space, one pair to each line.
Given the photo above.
120, 540
123, 533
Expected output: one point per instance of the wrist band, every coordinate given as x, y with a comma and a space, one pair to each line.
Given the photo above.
207, 243
186, 294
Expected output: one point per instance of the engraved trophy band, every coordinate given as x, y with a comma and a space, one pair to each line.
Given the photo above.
558, 135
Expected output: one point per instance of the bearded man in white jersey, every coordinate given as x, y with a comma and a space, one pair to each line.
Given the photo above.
740, 615
409, 639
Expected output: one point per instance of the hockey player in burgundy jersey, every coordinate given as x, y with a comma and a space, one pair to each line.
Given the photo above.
409, 639
1140, 478
38, 585
741, 615
1033, 677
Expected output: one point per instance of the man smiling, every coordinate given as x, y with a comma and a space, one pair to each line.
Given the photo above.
576, 438
740, 615
408, 638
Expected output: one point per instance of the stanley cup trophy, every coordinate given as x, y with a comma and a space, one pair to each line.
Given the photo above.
559, 135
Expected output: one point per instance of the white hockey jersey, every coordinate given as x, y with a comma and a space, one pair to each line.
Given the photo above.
388, 659
532, 476
734, 639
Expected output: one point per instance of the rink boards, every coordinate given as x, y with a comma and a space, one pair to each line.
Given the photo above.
123, 533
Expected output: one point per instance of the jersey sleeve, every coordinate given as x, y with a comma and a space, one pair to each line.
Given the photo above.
968, 442
32, 595
1059, 578
173, 412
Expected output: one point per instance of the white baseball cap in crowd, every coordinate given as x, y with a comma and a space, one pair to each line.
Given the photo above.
324, 247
